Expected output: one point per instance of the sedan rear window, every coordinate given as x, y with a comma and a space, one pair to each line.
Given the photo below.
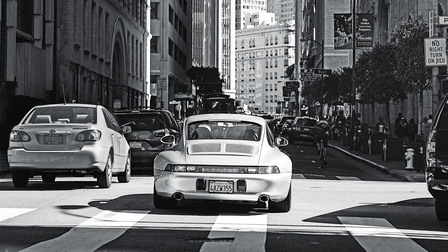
306, 122
142, 122
224, 130
62, 115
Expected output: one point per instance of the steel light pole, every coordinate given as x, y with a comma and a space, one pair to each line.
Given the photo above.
322, 67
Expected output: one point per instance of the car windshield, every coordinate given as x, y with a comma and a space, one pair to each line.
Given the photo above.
63, 114
142, 122
237, 130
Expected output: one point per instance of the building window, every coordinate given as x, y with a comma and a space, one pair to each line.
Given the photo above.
276, 40
286, 51
267, 87
267, 76
154, 10
25, 16
154, 44
170, 47
267, 41
275, 85
242, 44
171, 15
286, 39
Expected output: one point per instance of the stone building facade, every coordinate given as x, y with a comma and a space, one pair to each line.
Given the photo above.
85, 51
262, 56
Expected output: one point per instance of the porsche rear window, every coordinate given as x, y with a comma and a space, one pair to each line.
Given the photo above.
224, 130
62, 114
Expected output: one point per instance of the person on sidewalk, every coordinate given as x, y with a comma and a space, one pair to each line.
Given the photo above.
426, 126
401, 130
412, 132
397, 122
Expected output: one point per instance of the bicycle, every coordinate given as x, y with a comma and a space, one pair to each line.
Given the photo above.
321, 147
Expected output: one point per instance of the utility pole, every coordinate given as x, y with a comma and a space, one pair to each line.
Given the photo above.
353, 114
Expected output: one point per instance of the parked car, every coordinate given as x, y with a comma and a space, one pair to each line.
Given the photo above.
148, 126
437, 160
76, 139
287, 127
224, 157
303, 129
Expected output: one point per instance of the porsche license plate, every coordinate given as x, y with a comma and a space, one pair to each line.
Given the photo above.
52, 139
220, 186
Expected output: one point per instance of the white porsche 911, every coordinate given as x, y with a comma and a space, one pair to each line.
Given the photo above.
224, 157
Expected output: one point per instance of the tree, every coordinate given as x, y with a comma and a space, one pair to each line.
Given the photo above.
411, 69
376, 72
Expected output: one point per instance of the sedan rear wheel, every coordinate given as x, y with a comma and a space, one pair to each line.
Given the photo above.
163, 202
104, 178
20, 179
48, 178
281, 206
442, 209
125, 176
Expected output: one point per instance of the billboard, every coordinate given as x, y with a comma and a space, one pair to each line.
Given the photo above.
343, 37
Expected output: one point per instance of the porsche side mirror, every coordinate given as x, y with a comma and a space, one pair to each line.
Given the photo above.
281, 141
168, 139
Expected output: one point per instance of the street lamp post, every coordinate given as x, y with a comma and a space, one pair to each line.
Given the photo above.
322, 67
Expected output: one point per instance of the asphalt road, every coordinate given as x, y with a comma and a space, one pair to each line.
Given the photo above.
343, 207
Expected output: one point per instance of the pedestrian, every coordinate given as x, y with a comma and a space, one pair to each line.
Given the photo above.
401, 130
426, 126
412, 131
397, 122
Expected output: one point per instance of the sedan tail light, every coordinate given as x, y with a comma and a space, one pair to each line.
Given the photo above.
88, 135
223, 169
19, 136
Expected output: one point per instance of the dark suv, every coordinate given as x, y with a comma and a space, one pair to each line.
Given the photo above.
437, 160
148, 126
303, 129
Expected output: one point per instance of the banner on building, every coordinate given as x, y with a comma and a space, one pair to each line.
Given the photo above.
343, 37
343, 31
364, 30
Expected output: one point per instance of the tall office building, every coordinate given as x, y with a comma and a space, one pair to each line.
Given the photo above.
243, 7
285, 10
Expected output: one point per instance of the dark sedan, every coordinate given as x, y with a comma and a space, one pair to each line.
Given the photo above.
303, 129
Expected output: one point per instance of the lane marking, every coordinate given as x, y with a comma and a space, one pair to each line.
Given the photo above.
92, 233
8, 213
237, 233
377, 234
348, 178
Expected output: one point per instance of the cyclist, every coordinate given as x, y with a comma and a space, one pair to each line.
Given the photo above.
322, 129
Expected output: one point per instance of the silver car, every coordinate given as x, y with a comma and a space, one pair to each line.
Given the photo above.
74, 139
224, 157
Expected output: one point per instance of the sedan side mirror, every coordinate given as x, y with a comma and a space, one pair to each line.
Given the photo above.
127, 129
281, 141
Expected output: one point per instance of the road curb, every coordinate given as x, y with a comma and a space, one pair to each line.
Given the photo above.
379, 167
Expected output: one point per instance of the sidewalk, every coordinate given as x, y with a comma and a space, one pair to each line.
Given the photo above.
394, 168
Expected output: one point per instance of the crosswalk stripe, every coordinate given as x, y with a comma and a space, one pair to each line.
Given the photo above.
235, 232
8, 213
87, 236
377, 234
347, 178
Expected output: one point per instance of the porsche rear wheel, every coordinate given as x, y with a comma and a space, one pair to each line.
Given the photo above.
104, 179
20, 179
281, 206
163, 202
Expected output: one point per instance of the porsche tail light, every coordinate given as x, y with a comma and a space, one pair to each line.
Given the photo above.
19, 136
88, 135
223, 169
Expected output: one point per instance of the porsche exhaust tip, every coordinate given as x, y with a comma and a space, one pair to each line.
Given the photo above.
263, 198
178, 196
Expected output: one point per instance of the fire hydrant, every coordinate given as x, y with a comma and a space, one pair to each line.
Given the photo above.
409, 157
